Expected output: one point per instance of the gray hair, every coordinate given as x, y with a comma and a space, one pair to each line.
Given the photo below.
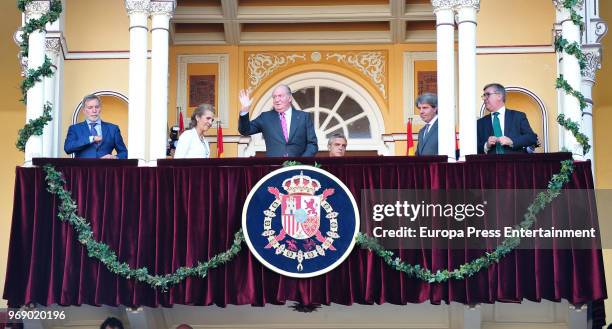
287, 89
427, 98
90, 97
334, 136
198, 112
498, 88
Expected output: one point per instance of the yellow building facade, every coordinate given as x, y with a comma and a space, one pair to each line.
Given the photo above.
357, 65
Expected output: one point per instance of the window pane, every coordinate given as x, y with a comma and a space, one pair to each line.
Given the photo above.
349, 109
304, 97
332, 123
328, 97
322, 117
360, 128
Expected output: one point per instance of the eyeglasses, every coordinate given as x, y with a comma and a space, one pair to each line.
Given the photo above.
486, 95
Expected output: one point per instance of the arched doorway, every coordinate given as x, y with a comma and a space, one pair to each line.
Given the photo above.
114, 109
526, 101
338, 104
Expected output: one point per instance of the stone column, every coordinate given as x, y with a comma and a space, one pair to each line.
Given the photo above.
161, 12
593, 56
138, 11
466, 22
52, 131
35, 96
570, 69
445, 36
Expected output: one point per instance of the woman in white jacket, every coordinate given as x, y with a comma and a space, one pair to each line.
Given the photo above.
192, 143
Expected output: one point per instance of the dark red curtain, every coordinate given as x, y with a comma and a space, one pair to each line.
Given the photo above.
184, 211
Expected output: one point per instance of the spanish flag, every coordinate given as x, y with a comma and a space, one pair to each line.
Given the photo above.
409, 141
219, 140
181, 122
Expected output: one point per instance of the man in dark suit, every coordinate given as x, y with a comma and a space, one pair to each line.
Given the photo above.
428, 135
502, 131
94, 138
286, 131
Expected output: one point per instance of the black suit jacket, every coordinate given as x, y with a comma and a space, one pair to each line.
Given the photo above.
302, 138
516, 127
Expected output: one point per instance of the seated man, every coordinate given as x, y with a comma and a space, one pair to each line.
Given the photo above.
337, 145
504, 130
286, 131
94, 138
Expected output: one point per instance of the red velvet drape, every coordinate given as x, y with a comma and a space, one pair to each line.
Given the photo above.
184, 211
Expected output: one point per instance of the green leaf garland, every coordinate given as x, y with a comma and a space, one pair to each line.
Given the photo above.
103, 252
34, 127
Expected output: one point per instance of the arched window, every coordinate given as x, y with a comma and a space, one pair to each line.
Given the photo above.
337, 104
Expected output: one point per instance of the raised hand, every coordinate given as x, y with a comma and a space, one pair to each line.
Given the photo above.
245, 100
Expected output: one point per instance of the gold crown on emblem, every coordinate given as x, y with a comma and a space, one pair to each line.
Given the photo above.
301, 184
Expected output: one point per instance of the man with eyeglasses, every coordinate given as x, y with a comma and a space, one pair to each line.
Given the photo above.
504, 130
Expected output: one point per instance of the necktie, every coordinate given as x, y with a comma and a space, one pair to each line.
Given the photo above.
284, 126
499, 149
426, 131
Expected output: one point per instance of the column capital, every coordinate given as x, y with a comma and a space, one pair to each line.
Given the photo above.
165, 8
137, 6
53, 45
468, 3
443, 4
37, 8
559, 4
593, 61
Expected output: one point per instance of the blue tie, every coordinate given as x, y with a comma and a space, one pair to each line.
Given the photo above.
93, 130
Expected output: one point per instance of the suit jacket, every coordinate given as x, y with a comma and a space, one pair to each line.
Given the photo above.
77, 141
302, 138
190, 146
428, 145
516, 127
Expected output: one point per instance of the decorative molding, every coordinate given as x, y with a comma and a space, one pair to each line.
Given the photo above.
137, 6
593, 60
372, 64
600, 29
99, 55
468, 3
443, 4
162, 8
53, 45
37, 8
262, 65
535, 49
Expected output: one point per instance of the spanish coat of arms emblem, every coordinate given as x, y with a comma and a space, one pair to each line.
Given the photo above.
297, 224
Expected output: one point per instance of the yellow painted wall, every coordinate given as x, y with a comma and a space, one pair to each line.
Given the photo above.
518, 22
12, 116
97, 25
